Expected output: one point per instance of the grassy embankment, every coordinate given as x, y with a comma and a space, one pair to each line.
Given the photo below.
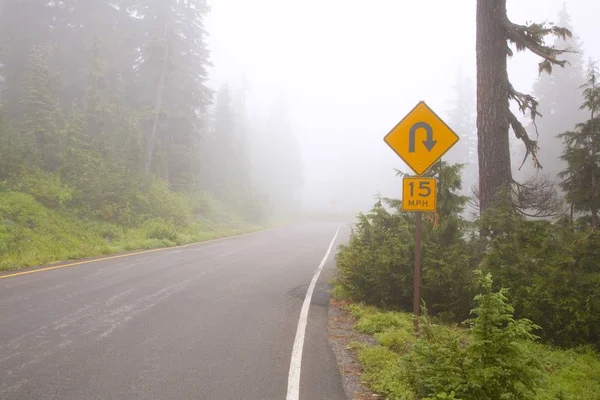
32, 233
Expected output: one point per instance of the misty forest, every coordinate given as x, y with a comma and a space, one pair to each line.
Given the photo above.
109, 130
114, 138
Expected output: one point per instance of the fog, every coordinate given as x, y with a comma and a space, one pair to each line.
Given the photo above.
349, 71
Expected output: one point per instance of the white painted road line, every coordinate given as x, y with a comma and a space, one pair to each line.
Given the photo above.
293, 390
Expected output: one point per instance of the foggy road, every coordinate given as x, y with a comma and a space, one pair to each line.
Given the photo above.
211, 321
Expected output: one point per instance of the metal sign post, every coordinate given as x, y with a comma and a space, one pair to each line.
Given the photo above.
417, 280
420, 139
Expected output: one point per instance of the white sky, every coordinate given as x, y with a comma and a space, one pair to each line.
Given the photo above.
352, 69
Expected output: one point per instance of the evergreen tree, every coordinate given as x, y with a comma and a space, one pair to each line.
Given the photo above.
12, 149
84, 25
582, 149
122, 100
82, 162
227, 169
559, 99
494, 91
172, 73
221, 166
23, 25
281, 169
41, 114
242, 128
462, 119
103, 142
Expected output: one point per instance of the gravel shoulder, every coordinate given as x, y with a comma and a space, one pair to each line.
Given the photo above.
341, 334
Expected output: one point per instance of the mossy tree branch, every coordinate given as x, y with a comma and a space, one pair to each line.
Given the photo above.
531, 37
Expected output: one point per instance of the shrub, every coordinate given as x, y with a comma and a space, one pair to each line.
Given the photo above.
210, 211
552, 268
384, 373
339, 292
492, 362
554, 273
377, 264
45, 187
495, 357
111, 233
162, 230
398, 340
382, 322
160, 202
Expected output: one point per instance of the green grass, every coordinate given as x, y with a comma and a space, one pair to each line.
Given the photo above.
339, 291
572, 374
384, 373
383, 370
32, 234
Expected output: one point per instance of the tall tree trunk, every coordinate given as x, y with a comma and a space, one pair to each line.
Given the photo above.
157, 105
594, 205
167, 160
492, 102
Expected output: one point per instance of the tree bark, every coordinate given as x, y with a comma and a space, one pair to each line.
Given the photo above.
157, 105
594, 205
166, 163
492, 103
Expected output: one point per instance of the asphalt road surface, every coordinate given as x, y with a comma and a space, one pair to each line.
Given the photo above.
214, 321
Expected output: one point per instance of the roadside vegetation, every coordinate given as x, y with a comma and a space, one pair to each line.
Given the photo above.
38, 228
491, 356
510, 297
512, 304
550, 268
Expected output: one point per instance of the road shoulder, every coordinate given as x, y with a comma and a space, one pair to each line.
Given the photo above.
341, 334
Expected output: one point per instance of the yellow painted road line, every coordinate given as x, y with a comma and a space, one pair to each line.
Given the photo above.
33, 271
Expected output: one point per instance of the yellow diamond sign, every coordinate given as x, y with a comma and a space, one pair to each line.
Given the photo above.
421, 138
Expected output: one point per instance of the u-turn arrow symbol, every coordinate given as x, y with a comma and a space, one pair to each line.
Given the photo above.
429, 143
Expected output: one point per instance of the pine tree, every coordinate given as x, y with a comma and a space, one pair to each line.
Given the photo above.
242, 127
283, 172
23, 25
102, 142
172, 72
123, 99
81, 160
41, 114
12, 149
582, 149
220, 162
559, 98
112, 128
84, 25
462, 119
226, 167
494, 91
190, 95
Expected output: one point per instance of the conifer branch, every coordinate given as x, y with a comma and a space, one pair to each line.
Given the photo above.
531, 37
525, 102
536, 194
531, 146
